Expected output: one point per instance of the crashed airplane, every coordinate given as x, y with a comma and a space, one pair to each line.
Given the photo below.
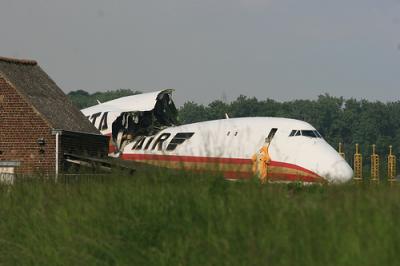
144, 128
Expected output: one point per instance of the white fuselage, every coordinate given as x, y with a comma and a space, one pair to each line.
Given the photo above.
226, 143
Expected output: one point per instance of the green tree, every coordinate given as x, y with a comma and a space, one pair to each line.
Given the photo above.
192, 112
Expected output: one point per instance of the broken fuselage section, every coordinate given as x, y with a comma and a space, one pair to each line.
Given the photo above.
130, 118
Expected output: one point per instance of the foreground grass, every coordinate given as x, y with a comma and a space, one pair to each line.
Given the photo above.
169, 219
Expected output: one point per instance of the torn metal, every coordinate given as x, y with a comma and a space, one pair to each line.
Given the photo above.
128, 118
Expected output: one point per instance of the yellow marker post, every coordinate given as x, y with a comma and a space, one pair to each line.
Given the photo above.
358, 175
392, 165
341, 151
374, 165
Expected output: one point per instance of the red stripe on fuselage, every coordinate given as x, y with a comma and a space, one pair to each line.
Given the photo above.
307, 176
292, 166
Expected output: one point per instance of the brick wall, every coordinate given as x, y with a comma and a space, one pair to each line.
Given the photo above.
20, 129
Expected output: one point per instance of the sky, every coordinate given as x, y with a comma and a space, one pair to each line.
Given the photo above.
212, 49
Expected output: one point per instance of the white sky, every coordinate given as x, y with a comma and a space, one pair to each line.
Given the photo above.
280, 49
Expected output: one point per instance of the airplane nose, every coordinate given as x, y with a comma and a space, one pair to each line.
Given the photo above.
331, 166
339, 172
323, 160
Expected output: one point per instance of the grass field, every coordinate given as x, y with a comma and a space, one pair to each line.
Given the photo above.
171, 219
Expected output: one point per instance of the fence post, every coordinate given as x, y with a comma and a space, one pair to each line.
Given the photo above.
392, 165
341, 151
374, 165
358, 176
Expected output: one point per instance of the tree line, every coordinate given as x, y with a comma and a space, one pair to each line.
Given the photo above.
83, 99
349, 121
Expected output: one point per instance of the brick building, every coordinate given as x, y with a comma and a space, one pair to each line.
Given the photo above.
38, 123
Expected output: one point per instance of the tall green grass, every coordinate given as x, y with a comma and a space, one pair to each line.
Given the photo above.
171, 219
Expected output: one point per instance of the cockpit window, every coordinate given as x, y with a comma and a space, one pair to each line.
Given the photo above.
305, 133
309, 133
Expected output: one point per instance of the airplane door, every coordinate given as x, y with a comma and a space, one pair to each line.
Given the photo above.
271, 135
